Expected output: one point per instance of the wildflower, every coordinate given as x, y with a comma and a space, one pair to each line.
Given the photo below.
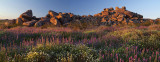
103, 56
150, 58
135, 57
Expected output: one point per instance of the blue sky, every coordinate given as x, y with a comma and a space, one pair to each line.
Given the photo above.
13, 8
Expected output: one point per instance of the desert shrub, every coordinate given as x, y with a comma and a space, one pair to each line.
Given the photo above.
64, 52
9, 26
128, 34
151, 41
37, 57
142, 38
76, 25
3, 56
132, 35
83, 24
147, 39
18, 58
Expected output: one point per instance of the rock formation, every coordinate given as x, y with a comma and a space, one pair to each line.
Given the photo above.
108, 16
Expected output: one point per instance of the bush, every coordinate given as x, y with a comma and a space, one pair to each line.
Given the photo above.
129, 34
63, 53
37, 57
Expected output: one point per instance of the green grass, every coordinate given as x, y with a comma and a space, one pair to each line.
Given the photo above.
3, 21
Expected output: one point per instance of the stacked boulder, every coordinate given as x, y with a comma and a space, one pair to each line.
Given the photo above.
54, 18
25, 17
119, 16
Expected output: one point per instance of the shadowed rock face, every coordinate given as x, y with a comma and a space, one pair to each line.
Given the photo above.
108, 16
52, 13
26, 16
30, 23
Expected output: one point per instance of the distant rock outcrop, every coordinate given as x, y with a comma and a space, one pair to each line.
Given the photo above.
108, 16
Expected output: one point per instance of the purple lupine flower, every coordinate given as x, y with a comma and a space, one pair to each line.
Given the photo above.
111, 54
144, 59
127, 48
134, 51
136, 47
135, 57
157, 53
152, 54
147, 50
120, 60
103, 56
117, 57
150, 58
139, 60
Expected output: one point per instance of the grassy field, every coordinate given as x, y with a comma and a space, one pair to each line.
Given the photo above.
3, 21
59, 44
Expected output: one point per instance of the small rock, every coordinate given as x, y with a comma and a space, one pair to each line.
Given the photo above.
52, 13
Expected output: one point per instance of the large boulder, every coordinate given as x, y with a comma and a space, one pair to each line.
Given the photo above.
45, 19
129, 14
19, 21
105, 13
116, 8
64, 18
42, 21
54, 21
30, 23
35, 18
25, 20
120, 19
124, 8
121, 16
39, 23
104, 19
52, 14
26, 16
120, 10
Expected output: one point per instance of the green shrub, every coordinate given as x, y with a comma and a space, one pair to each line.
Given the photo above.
63, 52
129, 34
37, 57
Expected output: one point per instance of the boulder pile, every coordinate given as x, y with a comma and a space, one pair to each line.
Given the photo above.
119, 16
109, 16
